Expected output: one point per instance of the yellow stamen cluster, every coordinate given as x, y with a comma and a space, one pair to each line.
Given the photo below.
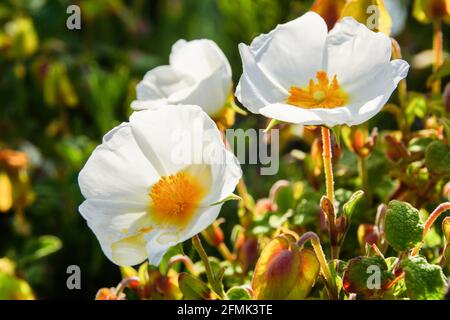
175, 198
322, 94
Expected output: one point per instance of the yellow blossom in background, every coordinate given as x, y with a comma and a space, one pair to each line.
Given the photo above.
21, 37
12, 287
372, 13
426, 11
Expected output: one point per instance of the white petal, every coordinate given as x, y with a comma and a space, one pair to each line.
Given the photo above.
317, 116
129, 251
353, 53
291, 54
255, 88
199, 74
118, 226
160, 85
172, 137
377, 92
159, 242
117, 169
199, 58
370, 100
119, 218
210, 73
210, 93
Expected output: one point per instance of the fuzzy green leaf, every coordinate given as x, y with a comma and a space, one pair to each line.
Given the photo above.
193, 288
403, 226
437, 158
424, 281
238, 293
361, 272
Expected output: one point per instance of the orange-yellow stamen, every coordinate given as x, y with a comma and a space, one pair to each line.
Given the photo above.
175, 198
322, 94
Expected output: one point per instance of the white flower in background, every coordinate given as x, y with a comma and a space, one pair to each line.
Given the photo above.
198, 74
299, 73
143, 195
399, 12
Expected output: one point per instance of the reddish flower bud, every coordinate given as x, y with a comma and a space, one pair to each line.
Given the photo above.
109, 294
213, 234
330, 10
446, 97
367, 234
283, 271
246, 248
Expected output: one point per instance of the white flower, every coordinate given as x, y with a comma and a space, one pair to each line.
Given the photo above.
198, 74
299, 73
152, 182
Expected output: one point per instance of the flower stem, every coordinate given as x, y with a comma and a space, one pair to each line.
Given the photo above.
429, 223
216, 286
183, 259
326, 272
364, 175
438, 52
225, 252
328, 167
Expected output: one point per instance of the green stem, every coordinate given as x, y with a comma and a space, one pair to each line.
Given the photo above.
216, 286
438, 52
429, 223
364, 175
325, 269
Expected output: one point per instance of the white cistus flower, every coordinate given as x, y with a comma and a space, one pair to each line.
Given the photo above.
155, 182
198, 73
300, 73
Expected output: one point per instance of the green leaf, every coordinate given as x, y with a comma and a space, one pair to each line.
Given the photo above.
403, 227
437, 158
419, 144
272, 124
424, 281
238, 293
193, 288
229, 198
305, 213
361, 274
284, 198
351, 205
13, 288
417, 107
39, 248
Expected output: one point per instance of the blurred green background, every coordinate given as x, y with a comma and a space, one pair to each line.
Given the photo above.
61, 90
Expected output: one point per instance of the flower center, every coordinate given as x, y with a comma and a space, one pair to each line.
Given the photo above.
175, 199
322, 94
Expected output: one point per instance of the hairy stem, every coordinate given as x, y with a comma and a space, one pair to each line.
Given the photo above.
326, 272
328, 166
429, 223
438, 52
225, 252
216, 286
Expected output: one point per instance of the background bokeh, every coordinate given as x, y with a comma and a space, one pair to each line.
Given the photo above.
61, 90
